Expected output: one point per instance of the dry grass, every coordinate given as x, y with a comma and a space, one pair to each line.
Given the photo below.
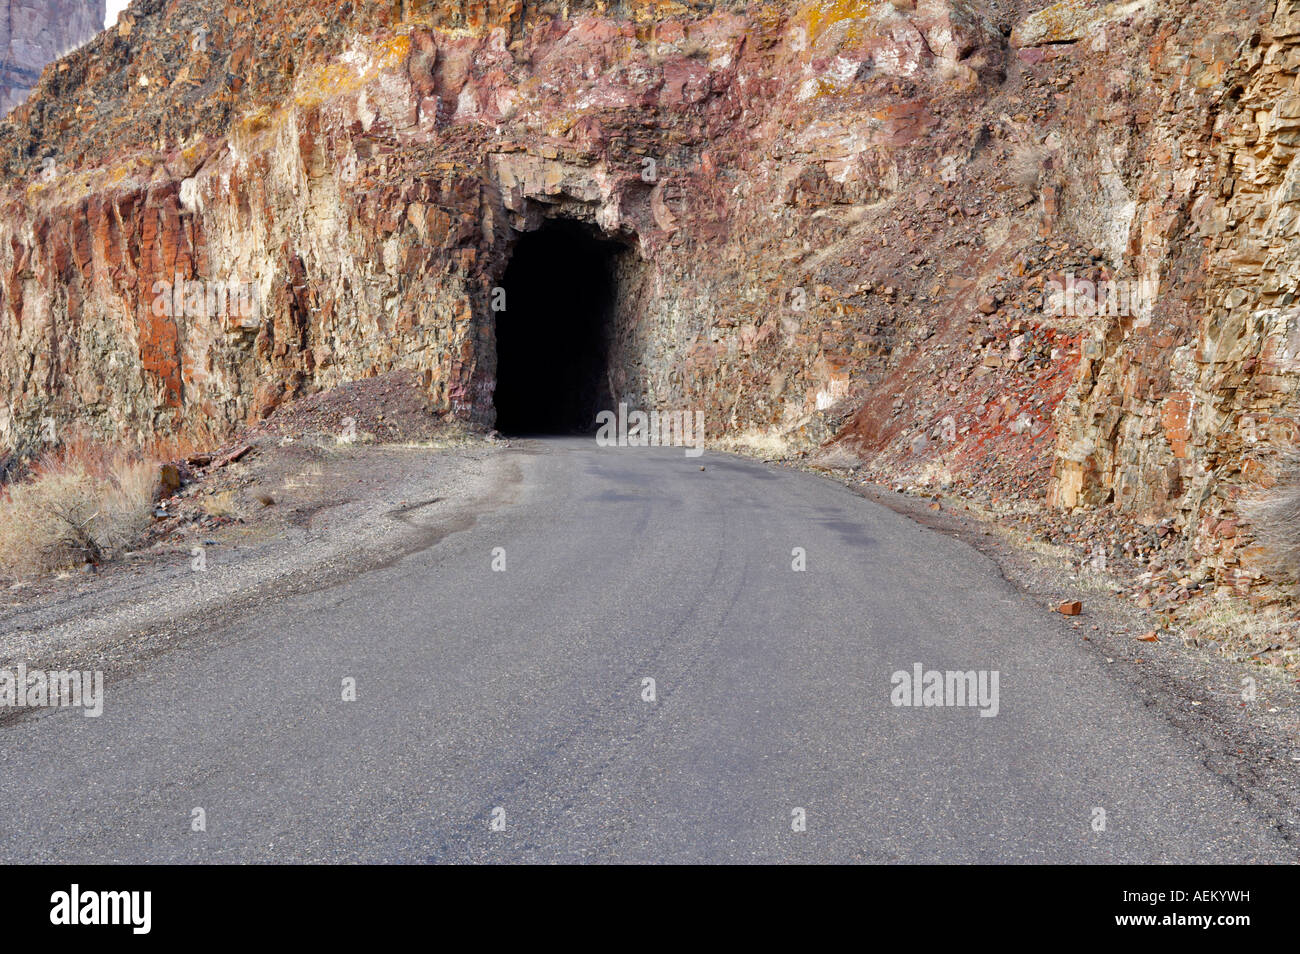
81, 504
757, 442
220, 504
1025, 164
1266, 635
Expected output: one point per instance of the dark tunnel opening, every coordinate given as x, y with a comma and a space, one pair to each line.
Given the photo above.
553, 334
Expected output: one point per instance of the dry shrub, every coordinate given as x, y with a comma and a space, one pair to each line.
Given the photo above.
769, 444
1025, 164
220, 504
1274, 512
80, 504
694, 47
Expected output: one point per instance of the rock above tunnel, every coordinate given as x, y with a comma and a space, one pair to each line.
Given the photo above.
1063, 22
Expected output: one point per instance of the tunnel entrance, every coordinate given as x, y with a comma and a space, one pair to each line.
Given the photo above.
554, 333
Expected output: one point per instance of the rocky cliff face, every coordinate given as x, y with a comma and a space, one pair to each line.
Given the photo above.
1182, 408
1035, 255
34, 32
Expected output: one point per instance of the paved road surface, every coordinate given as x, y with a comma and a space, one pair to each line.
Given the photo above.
522, 690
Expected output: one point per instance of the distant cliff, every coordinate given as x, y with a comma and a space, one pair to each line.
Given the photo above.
34, 32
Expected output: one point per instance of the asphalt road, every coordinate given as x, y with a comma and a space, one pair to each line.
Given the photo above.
518, 695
